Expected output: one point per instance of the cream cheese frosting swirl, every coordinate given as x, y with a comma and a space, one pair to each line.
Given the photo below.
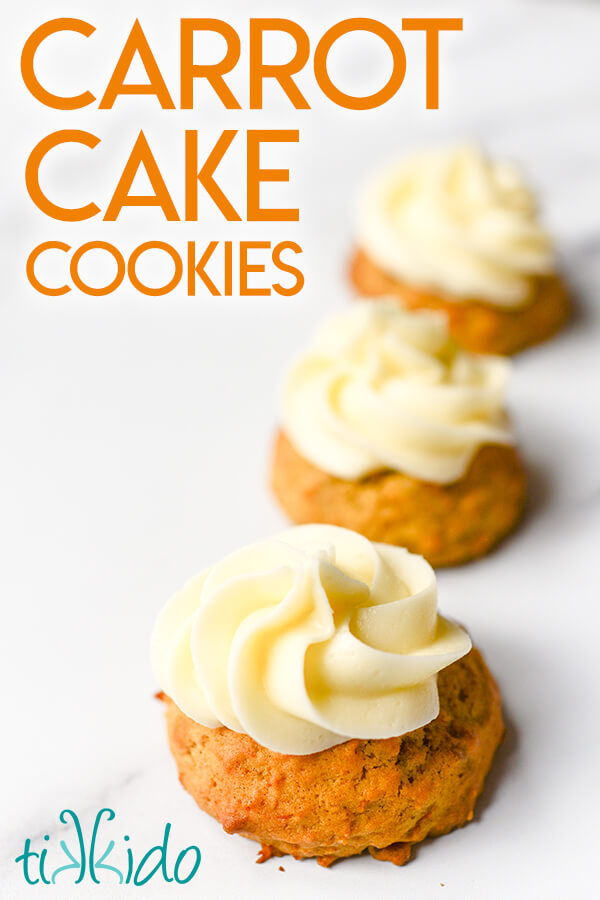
307, 640
383, 388
456, 222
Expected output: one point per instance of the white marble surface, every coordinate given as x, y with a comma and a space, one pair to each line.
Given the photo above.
135, 437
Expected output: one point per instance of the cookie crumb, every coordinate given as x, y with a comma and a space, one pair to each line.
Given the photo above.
264, 853
281, 869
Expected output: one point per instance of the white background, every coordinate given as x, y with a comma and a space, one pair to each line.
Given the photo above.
135, 437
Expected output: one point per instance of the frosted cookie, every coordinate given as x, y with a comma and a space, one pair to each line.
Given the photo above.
453, 231
392, 430
318, 704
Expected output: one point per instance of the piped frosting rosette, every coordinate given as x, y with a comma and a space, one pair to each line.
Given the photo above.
384, 388
457, 222
307, 640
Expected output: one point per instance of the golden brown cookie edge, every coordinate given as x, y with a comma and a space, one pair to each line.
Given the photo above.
477, 326
257, 793
447, 524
